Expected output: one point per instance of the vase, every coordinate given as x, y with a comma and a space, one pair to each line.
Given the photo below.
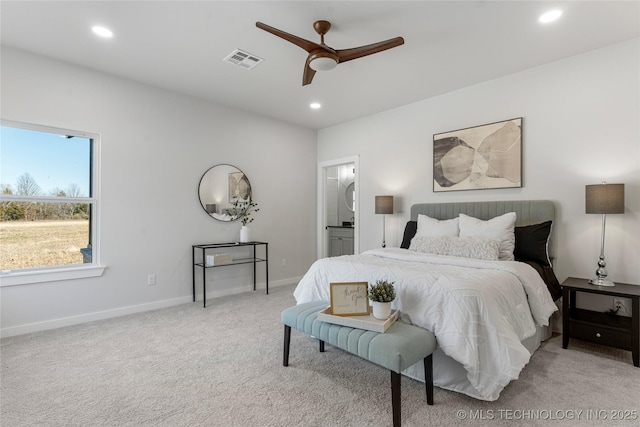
245, 234
381, 310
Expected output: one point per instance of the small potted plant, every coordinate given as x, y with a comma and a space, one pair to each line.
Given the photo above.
243, 210
381, 294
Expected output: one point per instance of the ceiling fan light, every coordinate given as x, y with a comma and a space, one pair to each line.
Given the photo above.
323, 64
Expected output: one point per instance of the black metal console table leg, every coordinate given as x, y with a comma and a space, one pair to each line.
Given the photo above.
254, 267
204, 279
193, 271
266, 266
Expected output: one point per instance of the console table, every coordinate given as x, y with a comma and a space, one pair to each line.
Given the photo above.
615, 331
201, 262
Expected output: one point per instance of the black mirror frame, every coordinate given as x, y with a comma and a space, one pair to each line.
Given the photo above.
211, 208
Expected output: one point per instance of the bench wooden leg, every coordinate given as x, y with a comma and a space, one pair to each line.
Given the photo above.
428, 378
395, 398
287, 342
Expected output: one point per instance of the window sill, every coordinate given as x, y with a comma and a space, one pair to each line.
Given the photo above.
9, 278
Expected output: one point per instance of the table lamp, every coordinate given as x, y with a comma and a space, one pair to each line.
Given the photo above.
384, 205
603, 199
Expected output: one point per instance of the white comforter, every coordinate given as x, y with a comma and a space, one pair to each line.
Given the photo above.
479, 311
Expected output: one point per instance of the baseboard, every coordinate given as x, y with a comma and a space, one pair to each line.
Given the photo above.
90, 317
122, 311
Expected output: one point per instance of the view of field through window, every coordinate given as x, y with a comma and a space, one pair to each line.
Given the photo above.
29, 244
45, 199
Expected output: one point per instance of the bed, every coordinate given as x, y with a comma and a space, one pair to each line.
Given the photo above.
478, 275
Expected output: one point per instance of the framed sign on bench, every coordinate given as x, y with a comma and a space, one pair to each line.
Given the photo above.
349, 298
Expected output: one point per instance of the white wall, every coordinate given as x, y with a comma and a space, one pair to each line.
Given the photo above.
581, 125
155, 147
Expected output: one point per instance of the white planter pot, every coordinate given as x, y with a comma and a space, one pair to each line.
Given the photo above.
381, 310
245, 234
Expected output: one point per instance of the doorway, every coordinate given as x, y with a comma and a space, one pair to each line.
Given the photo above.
338, 203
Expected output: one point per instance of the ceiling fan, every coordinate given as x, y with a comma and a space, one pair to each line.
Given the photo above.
322, 57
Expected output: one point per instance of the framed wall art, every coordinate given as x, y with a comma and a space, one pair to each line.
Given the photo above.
478, 158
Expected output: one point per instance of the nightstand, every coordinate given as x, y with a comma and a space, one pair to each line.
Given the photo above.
602, 328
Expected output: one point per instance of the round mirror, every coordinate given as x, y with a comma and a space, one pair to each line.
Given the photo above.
220, 190
350, 196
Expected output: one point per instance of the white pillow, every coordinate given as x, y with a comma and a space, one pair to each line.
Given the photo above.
467, 247
432, 227
500, 227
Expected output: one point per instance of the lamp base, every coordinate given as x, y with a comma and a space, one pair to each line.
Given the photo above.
601, 282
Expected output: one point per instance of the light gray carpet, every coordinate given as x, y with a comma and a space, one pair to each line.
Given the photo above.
222, 366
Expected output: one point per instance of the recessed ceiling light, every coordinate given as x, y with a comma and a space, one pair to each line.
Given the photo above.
550, 16
102, 31
315, 105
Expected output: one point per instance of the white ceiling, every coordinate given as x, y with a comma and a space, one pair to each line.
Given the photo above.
180, 45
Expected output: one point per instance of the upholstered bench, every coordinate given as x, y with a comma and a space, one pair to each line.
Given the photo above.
396, 349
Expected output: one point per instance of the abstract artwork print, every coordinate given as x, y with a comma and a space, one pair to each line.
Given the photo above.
480, 157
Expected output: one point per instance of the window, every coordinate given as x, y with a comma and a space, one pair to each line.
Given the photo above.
48, 203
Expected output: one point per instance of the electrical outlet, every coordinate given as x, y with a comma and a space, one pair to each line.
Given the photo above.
151, 279
617, 304
284, 262
620, 306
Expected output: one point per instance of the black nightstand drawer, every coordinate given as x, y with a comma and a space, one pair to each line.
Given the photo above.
601, 335
602, 328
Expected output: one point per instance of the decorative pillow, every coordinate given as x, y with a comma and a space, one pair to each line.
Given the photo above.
409, 231
432, 227
500, 227
532, 243
468, 247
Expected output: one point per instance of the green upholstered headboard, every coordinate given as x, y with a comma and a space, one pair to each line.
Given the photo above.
527, 212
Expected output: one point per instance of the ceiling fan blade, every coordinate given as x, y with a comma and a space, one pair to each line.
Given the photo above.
298, 41
345, 55
309, 72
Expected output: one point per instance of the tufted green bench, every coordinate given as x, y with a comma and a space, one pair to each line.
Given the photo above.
398, 348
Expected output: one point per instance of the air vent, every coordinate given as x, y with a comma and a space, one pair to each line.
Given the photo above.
243, 59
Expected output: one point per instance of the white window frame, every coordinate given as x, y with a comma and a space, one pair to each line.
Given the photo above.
63, 272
